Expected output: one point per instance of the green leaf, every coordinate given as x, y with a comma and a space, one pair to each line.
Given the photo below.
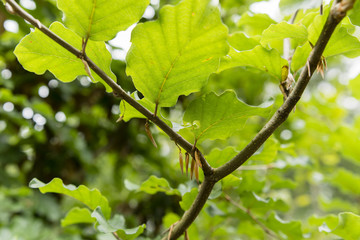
348, 227
268, 61
300, 57
77, 215
218, 157
175, 55
116, 224
268, 152
92, 198
37, 53
354, 14
217, 117
341, 41
155, 184
255, 24
284, 30
288, 230
241, 42
346, 181
188, 199
101, 20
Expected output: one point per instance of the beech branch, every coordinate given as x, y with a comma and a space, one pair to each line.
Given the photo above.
337, 13
15, 9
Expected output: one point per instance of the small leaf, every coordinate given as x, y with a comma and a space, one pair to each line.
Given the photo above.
300, 57
175, 54
218, 117
116, 225
241, 42
188, 199
284, 30
155, 184
37, 53
77, 215
92, 198
255, 24
265, 60
341, 40
101, 20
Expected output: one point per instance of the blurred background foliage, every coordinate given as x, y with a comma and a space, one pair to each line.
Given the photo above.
306, 172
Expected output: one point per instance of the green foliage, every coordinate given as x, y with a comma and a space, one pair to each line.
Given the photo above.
302, 183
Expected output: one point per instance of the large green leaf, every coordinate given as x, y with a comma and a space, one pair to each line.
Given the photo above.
100, 20
175, 55
268, 61
37, 53
92, 198
284, 30
116, 224
77, 215
217, 117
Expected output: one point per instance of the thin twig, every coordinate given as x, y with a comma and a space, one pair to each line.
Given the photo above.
248, 212
116, 236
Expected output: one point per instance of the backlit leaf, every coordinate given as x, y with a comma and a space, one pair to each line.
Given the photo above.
155, 184
284, 30
116, 224
175, 54
268, 61
77, 215
218, 117
37, 53
92, 198
100, 20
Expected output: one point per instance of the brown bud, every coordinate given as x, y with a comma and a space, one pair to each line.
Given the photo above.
181, 161
187, 156
148, 133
